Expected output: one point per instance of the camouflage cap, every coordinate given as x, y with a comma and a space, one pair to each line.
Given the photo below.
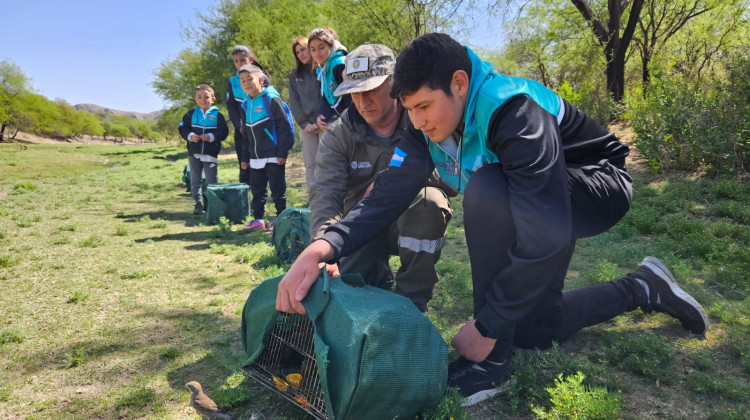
367, 67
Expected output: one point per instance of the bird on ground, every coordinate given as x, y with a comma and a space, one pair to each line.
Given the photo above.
204, 405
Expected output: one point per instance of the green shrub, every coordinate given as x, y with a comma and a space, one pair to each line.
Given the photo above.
571, 399
449, 408
9, 335
77, 297
92, 241
713, 135
21, 187
8, 260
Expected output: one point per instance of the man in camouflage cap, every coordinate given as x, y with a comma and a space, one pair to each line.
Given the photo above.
352, 152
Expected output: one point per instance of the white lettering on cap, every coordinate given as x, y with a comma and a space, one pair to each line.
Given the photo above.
356, 65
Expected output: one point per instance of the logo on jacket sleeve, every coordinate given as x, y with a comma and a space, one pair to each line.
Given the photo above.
360, 165
398, 158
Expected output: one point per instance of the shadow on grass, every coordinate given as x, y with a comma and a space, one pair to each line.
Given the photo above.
190, 220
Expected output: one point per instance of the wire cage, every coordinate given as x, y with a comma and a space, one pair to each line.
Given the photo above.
288, 366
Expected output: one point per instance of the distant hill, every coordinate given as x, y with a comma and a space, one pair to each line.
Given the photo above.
97, 109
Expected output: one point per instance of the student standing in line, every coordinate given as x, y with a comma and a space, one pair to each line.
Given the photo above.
204, 128
268, 139
241, 56
304, 100
328, 54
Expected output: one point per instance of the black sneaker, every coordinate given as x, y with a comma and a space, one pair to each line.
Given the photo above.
666, 296
479, 381
198, 209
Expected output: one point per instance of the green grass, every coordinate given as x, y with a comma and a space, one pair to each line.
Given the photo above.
115, 295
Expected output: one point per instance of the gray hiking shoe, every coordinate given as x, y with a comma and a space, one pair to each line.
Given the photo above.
666, 296
198, 209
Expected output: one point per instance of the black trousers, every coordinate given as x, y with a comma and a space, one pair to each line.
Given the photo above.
600, 197
244, 173
273, 176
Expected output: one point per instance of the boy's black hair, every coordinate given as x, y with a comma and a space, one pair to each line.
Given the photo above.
429, 60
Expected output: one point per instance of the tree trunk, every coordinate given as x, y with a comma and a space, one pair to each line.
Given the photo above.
2, 131
615, 45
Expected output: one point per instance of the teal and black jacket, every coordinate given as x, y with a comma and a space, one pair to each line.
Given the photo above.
235, 97
198, 122
330, 77
264, 117
535, 137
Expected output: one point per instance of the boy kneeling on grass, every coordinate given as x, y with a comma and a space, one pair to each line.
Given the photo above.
536, 174
267, 141
204, 128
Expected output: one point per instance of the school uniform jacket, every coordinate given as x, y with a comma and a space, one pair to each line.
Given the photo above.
330, 77
262, 116
534, 136
197, 122
235, 97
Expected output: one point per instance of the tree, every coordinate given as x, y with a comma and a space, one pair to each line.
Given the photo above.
14, 87
660, 21
613, 38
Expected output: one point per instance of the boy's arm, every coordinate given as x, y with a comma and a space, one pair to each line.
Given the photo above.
233, 107
395, 188
284, 134
186, 125
222, 130
527, 142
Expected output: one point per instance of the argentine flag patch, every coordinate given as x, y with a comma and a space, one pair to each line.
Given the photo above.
398, 157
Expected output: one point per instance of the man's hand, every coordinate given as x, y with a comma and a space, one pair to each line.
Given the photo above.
310, 128
282, 161
244, 165
470, 344
321, 123
369, 189
333, 270
301, 276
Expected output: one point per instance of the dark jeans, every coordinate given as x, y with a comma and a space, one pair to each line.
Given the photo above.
244, 173
273, 176
600, 197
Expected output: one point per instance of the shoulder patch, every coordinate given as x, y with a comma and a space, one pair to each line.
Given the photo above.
398, 158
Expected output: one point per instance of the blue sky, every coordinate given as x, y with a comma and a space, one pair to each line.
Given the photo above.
104, 52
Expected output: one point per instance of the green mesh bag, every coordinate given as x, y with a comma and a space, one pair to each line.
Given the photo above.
378, 356
228, 200
291, 233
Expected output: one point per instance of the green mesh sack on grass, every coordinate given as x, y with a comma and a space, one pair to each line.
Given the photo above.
378, 356
291, 233
228, 200
186, 177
